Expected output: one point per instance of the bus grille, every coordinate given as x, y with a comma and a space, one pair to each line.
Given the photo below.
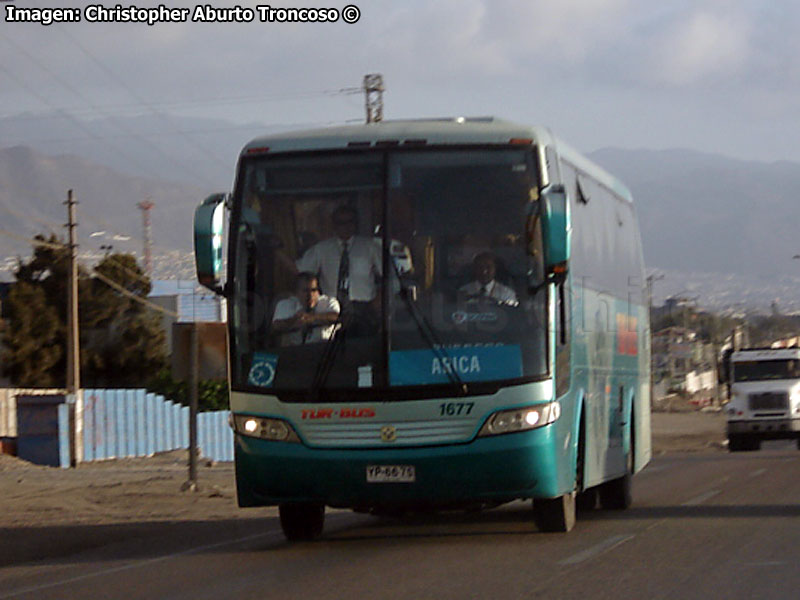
408, 433
769, 401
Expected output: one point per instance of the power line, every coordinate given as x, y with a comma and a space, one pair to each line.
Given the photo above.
68, 86
135, 108
153, 107
33, 241
60, 246
141, 101
53, 226
74, 120
48, 224
121, 289
93, 270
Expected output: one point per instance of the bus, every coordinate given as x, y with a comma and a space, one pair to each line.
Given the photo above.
431, 396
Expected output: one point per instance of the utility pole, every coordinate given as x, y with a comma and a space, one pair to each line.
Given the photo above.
145, 207
373, 96
73, 336
194, 378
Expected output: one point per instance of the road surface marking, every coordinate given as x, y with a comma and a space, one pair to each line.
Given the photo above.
649, 469
701, 498
758, 472
603, 546
136, 565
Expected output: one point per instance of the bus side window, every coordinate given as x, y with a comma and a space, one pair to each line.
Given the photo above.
563, 367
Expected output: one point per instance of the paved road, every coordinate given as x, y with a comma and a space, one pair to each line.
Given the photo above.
704, 525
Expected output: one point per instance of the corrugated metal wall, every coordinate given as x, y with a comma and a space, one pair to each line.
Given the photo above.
129, 423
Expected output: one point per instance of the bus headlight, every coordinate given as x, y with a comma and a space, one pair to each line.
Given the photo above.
521, 419
265, 428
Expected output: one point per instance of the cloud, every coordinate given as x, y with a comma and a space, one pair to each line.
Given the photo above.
584, 62
493, 38
702, 46
563, 31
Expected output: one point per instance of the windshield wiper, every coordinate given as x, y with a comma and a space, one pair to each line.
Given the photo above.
328, 356
430, 336
424, 327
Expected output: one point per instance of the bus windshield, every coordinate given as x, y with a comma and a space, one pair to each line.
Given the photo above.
761, 370
413, 272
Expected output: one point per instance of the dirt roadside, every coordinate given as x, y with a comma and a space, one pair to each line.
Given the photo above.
47, 512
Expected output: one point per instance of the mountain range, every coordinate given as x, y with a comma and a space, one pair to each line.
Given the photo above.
33, 188
711, 213
719, 228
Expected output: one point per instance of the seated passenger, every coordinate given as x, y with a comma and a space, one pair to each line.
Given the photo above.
308, 316
484, 285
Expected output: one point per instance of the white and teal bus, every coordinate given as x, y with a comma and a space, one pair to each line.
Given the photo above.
447, 399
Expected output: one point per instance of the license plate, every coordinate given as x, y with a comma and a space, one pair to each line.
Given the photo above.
391, 474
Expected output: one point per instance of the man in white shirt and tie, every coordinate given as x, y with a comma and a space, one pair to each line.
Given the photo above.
349, 266
485, 286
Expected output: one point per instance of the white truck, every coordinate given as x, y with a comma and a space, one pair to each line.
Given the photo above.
765, 397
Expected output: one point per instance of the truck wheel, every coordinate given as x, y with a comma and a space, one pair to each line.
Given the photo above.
555, 514
302, 521
753, 443
736, 443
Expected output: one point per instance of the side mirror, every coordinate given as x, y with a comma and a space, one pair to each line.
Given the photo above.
209, 223
556, 231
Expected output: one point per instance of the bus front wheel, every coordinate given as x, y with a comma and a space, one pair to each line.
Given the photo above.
302, 521
555, 514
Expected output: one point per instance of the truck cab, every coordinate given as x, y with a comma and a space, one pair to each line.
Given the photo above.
765, 397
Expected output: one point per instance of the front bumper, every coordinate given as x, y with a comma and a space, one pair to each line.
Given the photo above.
500, 468
766, 429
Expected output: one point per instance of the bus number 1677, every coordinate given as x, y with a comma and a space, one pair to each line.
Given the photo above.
453, 409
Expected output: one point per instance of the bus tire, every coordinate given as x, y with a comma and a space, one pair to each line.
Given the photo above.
617, 494
555, 514
302, 521
587, 500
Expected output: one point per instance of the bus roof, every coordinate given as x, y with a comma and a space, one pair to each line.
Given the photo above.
459, 131
756, 354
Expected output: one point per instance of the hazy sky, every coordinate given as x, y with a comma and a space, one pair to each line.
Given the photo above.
714, 75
